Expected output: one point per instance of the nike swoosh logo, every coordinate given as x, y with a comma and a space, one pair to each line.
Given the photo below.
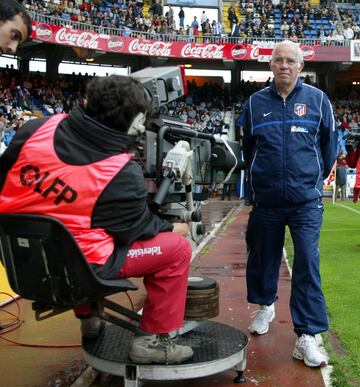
320, 206
266, 114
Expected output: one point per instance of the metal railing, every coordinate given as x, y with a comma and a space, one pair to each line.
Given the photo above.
224, 39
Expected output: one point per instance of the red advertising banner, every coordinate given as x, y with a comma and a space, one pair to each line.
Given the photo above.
137, 46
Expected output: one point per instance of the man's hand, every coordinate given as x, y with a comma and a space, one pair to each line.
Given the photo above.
181, 228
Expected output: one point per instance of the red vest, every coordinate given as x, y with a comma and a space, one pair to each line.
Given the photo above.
39, 182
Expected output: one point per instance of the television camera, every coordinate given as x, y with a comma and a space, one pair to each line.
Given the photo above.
181, 166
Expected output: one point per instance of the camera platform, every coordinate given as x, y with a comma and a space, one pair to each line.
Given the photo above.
217, 347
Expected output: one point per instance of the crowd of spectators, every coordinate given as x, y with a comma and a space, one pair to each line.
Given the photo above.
291, 19
346, 104
26, 91
286, 19
204, 108
350, 18
125, 15
23, 97
26, 96
128, 17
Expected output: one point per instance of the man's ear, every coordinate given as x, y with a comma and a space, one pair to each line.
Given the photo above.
301, 66
271, 65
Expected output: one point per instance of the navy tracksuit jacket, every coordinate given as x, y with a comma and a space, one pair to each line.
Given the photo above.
290, 147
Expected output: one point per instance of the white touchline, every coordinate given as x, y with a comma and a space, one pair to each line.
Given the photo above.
348, 208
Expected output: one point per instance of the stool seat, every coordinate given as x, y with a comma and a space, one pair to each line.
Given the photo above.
44, 263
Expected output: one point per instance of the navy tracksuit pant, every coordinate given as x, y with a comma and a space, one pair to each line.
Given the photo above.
265, 241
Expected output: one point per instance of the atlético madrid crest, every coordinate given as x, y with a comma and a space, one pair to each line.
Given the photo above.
300, 109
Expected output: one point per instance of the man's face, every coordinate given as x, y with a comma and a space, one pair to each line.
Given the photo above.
285, 66
12, 33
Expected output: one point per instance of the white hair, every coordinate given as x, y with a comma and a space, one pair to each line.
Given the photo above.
289, 43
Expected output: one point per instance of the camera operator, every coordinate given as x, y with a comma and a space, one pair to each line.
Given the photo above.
78, 168
353, 161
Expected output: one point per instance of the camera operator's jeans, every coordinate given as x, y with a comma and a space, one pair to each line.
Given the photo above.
164, 263
265, 241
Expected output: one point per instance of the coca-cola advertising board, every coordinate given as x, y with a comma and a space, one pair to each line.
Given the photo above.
126, 45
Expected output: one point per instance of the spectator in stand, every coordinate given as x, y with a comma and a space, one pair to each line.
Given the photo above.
170, 12
15, 26
203, 20
348, 32
195, 27
344, 122
181, 15
322, 34
353, 124
284, 29
182, 34
206, 29
233, 19
340, 179
190, 33
157, 9
216, 28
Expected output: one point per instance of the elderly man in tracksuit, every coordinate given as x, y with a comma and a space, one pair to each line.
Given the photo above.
290, 147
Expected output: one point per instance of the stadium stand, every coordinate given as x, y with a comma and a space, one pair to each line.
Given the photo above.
244, 20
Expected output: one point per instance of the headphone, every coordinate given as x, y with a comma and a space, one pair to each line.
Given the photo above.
138, 124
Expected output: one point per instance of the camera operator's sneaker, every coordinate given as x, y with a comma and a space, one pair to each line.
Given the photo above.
148, 349
91, 327
264, 316
307, 349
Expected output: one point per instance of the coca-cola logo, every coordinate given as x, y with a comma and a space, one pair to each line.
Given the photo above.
239, 52
115, 44
43, 32
254, 53
77, 38
138, 46
308, 52
210, 51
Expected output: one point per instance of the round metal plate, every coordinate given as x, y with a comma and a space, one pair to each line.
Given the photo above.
217, 347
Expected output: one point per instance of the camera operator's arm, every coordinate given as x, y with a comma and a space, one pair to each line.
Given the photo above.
329, 137
122, 209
